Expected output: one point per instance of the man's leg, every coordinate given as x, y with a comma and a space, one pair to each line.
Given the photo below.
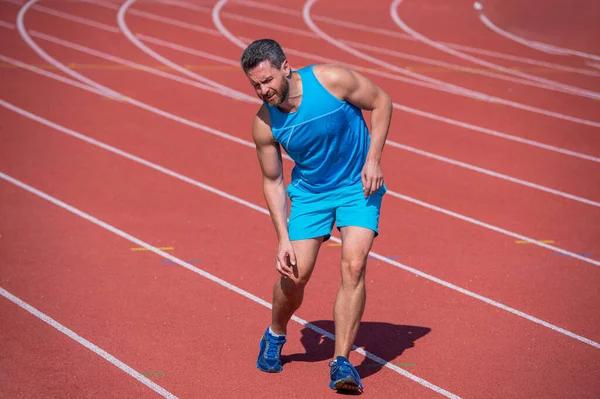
287, 297
287, 292
351, 296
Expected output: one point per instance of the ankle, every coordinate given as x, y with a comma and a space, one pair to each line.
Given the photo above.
277, 331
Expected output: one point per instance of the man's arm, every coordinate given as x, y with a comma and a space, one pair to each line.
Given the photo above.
360, 91
269, 157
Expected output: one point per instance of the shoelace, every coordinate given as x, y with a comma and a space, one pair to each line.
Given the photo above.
272, 347
344, 367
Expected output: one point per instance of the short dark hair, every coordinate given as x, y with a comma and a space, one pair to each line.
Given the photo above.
261, 50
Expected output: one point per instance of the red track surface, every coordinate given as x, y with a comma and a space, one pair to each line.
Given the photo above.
196, 338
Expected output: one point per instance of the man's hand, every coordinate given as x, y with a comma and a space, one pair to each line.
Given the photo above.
286, 259
372, 177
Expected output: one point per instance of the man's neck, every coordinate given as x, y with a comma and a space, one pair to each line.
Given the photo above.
294, 98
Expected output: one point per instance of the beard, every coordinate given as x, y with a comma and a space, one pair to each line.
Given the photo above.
280, 94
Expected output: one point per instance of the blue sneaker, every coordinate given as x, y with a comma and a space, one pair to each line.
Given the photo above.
269, 359
344, 376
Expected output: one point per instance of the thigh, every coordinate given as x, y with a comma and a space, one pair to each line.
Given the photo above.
306, 252
356, 243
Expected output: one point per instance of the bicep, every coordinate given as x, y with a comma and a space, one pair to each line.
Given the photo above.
269, 158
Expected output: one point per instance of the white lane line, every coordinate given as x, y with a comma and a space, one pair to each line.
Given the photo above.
256, 101
369, 71
136, 42
457, 90
52, 75
546, 48
198, 53
79, 339
548, 84
138, 242
7, 25
266, 213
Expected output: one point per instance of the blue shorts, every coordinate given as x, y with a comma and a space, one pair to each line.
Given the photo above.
312, 215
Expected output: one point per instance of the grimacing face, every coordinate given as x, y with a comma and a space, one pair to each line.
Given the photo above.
270, 83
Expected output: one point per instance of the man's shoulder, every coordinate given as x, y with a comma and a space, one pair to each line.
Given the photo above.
331, 73
333, 77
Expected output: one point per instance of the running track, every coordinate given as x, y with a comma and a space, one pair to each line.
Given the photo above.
483, 282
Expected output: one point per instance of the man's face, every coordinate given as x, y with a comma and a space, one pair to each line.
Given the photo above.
269, 82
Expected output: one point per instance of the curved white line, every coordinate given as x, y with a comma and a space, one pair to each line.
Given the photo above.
125, 29
216, 17
23, 32
548, 84
546, 48
453, 88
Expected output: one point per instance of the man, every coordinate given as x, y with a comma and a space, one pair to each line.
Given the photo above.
314, 113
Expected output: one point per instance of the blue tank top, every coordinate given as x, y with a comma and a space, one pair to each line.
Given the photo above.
326, 137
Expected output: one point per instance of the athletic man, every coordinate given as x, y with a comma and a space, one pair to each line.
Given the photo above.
314, 113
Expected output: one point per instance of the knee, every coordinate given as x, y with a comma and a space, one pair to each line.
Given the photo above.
291, 286
353, 270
